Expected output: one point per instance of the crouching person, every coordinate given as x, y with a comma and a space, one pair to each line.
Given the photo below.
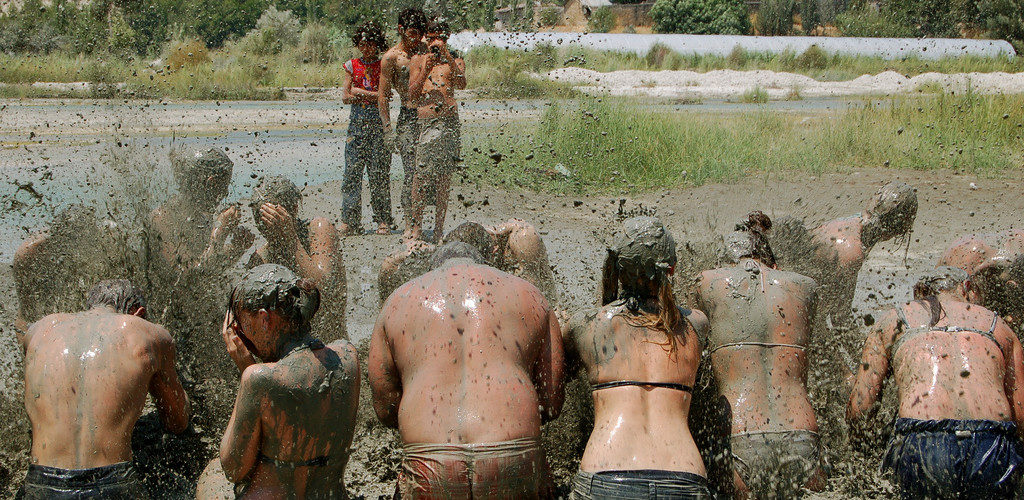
290, 431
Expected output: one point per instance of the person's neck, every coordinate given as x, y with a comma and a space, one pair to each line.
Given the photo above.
289, 343
407, 47
870, 232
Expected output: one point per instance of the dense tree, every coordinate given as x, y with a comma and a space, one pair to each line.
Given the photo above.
728, 17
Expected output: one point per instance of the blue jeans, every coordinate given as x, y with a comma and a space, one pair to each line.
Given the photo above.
954, 459
639, 485
364, 151
116, 481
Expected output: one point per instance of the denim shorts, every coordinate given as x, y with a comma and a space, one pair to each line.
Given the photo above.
639, 485
116, 481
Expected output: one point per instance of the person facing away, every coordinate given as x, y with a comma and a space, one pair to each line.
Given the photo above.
294, 417
957, 369
394, 74
364, 147
87, 376
433, 78
310, 247
760, 327
641, 353
995, 263
466, 362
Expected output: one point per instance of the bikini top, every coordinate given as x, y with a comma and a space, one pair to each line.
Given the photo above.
767, 345
626, 383
910, 332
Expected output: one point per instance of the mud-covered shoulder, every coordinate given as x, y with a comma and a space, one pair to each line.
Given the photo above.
697, 319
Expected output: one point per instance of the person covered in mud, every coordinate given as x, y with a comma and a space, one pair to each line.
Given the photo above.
957, 369
53, 267
466, 362
641, 353
394, 74
433, 78
295, 414
364, 149
995, 263
310, 248
190, 233
514, 246
87, 376
760, 327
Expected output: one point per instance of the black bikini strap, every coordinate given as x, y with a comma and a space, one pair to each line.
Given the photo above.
625, 383
314, 462
903, 318
995, 319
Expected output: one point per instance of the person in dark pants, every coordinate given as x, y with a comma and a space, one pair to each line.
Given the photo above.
364, 148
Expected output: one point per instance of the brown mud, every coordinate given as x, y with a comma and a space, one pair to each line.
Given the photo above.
575, 230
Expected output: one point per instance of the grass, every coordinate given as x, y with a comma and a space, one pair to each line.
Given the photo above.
615, 145
756, 95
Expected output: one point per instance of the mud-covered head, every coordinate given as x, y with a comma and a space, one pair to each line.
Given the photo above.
277, 289
999, 286
890, 213
203, 174
476, 236
939, 280
455, 250
277, 190
438, 26
412, 18
750, 240
120, 295
76, 223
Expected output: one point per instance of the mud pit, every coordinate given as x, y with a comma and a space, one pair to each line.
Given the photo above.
573, 227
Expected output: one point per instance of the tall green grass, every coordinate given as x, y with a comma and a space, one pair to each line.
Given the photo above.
621, 145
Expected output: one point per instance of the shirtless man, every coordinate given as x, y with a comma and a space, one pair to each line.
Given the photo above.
760, 325
995, 263
86, 379
309, 247
957, 370
293, 421
466, 361
513, 246
53, 267
394, 74
433, 78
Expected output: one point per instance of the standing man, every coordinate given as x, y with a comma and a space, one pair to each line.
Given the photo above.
957, 369
760, 327
433, 78
394, 74
466, 361
86, 379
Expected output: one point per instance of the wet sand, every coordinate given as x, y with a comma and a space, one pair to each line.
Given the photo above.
573, 228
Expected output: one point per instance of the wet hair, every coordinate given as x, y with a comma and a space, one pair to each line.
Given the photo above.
455, 250
438, 24
936, 281
750, 239
192, 167
121, 295
369, 32
644, 252
278, 190
475, 235
894, 207
276, 288
412, 18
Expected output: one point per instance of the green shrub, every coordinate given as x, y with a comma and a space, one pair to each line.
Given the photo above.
775, 17
707, 17
756, 95
315, 44
810, 16
866, 21
1003, 19
812, 58
275, 31
549, 16
602, 20
181, 54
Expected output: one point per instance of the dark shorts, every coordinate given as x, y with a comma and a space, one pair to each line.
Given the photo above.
639, 485
954, 458
508, 469
775, 464
117, 481
439, 145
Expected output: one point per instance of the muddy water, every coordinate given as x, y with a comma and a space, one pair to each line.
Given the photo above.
75, 167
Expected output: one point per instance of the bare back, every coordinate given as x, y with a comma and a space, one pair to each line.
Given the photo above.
639, 427
975, 251
471, 351
86, 380
760, 324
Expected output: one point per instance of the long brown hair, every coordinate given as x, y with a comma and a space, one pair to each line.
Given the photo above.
666, 319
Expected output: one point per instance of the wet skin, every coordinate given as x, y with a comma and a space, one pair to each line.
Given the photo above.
766, 387
942, 375
86, 380
466, 354
300, 407
988, 255
394, 71
635, 427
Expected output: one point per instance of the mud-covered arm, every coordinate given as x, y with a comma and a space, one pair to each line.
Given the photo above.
171, 400
318, 263
418, 72
22, 268
458, 73
874, 368
549, 370
527, 250
385, 379
1013, 378
572, 332
240, 447
387, 66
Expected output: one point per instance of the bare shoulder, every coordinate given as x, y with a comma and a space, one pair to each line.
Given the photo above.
697, 319
49, 321
29, 247
346, 351
320, 227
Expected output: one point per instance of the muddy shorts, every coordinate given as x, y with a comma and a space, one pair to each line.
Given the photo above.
507, 469
954, 458
439, 145
407, 132
117, 481
775, 464
639, 485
